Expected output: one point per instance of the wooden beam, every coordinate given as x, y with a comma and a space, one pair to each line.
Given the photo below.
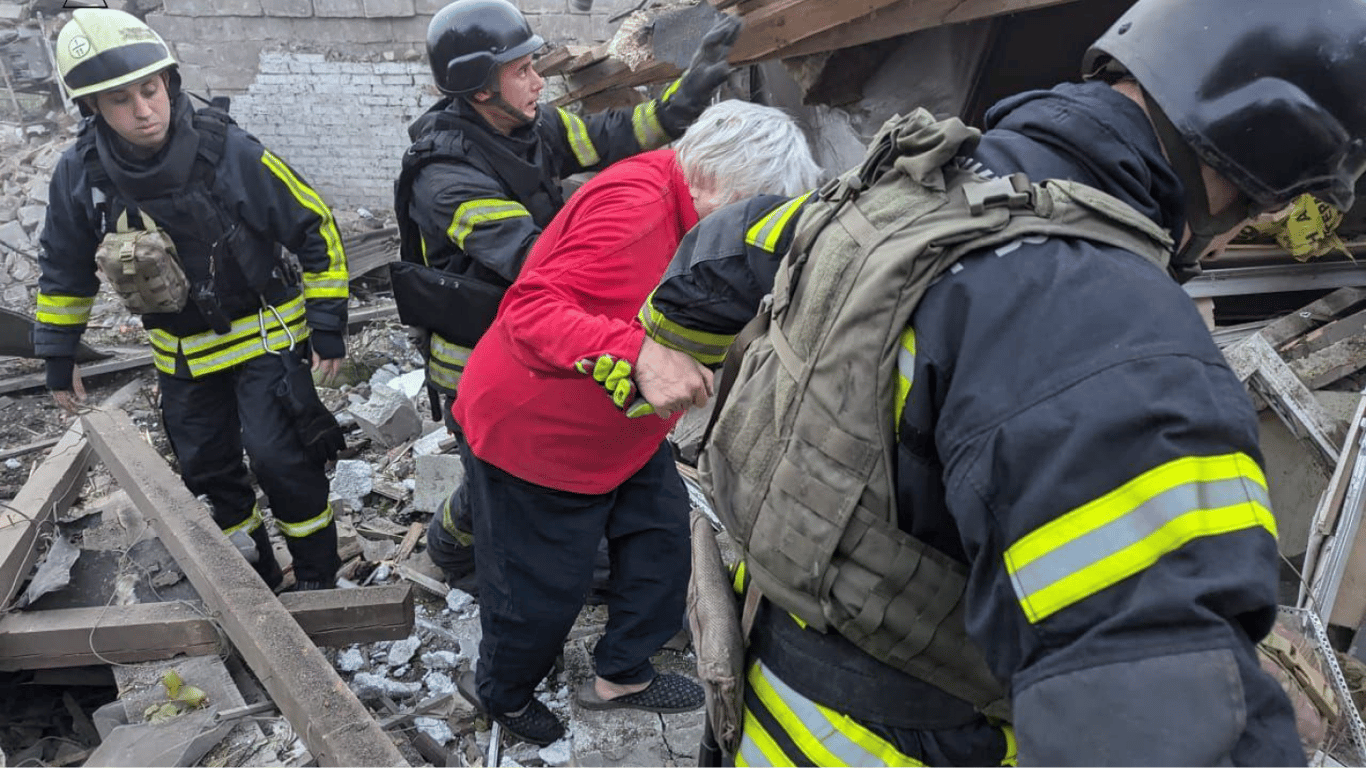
1311, 316
73, 637
559, 59
333, 724
35, 380
346, 616
611, 73
47, 494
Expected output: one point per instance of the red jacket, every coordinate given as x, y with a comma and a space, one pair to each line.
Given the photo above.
522, 405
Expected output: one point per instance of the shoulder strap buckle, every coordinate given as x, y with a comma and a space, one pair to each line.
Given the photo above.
1013, 191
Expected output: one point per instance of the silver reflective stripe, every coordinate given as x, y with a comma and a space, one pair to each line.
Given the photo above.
905, 363
1131, 528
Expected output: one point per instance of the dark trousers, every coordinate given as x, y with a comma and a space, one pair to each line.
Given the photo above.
534, 553
210, 419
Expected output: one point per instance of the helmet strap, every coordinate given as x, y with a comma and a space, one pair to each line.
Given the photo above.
1204, 226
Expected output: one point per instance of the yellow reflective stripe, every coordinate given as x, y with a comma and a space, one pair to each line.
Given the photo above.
327, 227
55, 309
449, 352
472, 213
757, 748
163, 361
1123, 532
311, 525
252, 522
247, 325
905, 374
645, 121
446, 363
576, 131
738, 582
208, 351
1012, 749
245, 350
325, 285
825, 736
706, 348
765, 232
672, 87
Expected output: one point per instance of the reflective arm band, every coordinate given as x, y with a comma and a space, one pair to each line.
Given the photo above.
706, 348
1105, 541
64, 310
327, 226
576, 132
474, 213
645, 121
325, 285
766, 232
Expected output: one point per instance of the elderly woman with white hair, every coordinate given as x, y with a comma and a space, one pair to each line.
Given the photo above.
563, 446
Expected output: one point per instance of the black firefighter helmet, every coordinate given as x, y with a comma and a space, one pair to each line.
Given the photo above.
469, 40
1266, 94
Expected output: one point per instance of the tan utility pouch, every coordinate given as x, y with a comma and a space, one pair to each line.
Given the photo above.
141, 266
717, 635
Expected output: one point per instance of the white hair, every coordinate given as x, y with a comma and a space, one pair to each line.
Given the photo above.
747, 149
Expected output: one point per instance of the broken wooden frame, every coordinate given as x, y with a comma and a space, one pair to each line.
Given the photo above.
268, 632
332, 722
779, 29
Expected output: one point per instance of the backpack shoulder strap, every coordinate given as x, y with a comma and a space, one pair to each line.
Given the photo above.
435, 147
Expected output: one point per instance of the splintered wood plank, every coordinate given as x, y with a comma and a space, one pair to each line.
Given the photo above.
74, 637
1255, 362
329, 718
47, 494
1312, 316
1322, 367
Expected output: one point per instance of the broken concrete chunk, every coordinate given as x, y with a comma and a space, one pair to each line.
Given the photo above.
401, 652
556, 754
388, 417
351, 660
440, 659
352, 480
369, 687
458, 600
410, 384
438, 730
438, 683
436, 478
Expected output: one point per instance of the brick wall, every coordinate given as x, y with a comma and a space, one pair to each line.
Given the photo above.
331, 85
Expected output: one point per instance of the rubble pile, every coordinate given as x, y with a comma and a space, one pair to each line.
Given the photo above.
27, 155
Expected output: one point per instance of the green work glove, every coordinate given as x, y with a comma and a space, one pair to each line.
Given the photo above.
614, 375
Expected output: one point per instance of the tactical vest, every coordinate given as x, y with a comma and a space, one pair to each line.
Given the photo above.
222, 258
455, 139
800, 460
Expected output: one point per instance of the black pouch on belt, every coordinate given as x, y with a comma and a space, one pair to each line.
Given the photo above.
313, 422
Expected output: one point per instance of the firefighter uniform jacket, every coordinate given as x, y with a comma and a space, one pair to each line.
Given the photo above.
1068, 429
478, 199
228, 219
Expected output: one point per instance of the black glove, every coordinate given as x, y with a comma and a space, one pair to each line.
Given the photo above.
328, 344
708, 70
316, 426
59, 373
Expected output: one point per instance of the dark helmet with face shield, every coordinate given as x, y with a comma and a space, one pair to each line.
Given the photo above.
1268, 94
468, 40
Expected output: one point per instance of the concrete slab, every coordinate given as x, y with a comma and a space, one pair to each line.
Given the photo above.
436, 478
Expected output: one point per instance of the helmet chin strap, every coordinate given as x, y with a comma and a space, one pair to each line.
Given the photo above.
501, 104
1204, 226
